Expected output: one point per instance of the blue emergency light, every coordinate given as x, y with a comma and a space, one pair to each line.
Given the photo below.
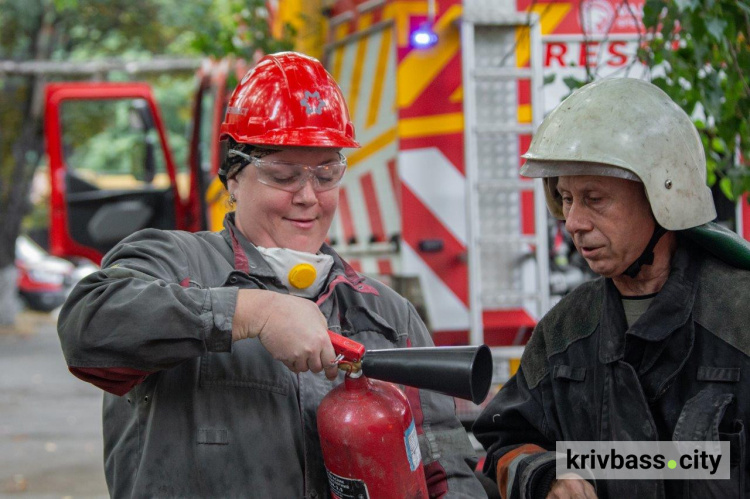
423, 37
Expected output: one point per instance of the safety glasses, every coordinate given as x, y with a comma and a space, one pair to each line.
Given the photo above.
292, 177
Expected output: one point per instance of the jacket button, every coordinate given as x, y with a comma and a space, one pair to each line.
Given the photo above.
233, 280
313, 494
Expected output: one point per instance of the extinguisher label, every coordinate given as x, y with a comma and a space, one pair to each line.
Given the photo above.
347, 488
413, 455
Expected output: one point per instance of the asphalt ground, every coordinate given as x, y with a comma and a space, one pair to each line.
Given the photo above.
50, 422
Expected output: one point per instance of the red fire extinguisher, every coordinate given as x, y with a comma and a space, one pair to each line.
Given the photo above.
367, 431
371, 415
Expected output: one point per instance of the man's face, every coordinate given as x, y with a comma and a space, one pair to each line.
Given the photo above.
274, 218
609, 219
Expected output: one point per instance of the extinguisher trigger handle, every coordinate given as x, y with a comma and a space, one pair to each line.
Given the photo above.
349, 349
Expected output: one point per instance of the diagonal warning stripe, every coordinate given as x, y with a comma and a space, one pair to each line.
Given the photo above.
345, 215
377, 232
359, 61
446, 311
401, 12
457, 95
445, 263
440, 186
384, 54
371, 147
420, 67
550, 16
338, 54
424, 126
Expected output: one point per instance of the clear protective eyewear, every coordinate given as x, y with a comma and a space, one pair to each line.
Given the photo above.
292, 177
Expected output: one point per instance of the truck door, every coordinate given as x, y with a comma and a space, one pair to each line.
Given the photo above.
208, 198
111, 170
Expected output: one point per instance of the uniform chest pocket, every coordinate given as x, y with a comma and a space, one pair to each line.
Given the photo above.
569, 373
248, 365
719, 374
573, 387
243, 280
711, 415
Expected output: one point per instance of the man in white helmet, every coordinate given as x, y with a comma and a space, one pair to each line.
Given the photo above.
654, 350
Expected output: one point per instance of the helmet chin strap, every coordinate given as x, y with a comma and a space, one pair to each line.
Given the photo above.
647, 257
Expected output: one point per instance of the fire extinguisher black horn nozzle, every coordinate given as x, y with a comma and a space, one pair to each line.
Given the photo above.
463, 372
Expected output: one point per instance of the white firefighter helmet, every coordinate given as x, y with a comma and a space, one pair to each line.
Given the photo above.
631, 129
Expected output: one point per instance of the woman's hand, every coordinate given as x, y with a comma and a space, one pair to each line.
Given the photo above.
292, 329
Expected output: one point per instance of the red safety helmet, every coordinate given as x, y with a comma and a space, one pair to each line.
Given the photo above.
288, 99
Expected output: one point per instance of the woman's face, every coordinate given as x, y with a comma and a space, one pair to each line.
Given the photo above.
274, 218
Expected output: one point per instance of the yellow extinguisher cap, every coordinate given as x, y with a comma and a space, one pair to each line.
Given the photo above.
302, 275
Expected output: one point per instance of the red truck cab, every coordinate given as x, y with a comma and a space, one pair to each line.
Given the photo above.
112, 171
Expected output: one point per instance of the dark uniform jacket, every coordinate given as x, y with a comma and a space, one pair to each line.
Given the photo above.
680, 372
188, 413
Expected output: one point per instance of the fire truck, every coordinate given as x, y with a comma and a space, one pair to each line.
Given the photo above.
445, 96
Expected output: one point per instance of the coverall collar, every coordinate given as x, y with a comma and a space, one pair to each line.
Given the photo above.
248, 259
670, 309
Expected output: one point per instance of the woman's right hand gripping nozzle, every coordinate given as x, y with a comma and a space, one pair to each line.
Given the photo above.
292, 329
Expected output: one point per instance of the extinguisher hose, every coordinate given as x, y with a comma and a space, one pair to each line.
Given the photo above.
463, 372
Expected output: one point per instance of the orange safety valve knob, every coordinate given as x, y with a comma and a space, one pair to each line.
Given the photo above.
302, 275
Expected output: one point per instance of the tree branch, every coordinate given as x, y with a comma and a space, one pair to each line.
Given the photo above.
44, 67
736, 65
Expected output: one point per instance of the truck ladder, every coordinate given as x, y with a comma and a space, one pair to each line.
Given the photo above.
507, 216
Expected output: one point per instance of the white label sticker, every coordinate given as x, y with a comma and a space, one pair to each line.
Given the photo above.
413, 455
347, 488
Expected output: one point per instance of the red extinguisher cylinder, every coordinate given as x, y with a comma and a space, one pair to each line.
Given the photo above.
369, 442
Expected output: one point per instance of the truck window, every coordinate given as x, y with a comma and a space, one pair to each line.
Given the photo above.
113, 144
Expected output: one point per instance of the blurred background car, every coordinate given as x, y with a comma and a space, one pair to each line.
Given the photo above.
44, 281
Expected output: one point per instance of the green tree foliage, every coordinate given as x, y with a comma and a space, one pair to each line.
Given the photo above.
64, 30
698, 52
237, 27
703, 47
85, 30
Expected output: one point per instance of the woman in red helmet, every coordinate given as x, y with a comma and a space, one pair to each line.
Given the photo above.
213, 347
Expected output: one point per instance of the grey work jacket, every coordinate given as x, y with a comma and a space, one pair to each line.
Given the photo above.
680, 372
192, 415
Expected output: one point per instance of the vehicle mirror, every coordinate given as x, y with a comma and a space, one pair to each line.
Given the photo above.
140, 116
141, 120
149, 161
